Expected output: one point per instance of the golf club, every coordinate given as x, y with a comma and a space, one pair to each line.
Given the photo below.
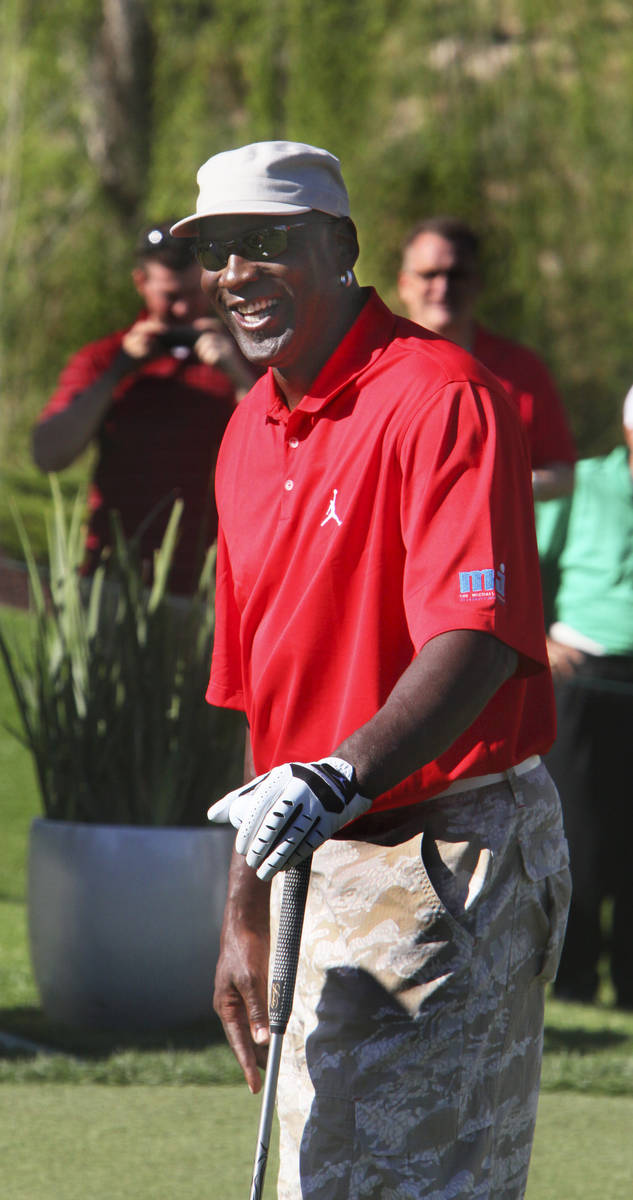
281, 995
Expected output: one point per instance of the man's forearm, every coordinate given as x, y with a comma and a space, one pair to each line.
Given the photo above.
247, 900
61, 438
436, 699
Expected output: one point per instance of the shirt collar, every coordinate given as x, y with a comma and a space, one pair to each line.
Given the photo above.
364, 342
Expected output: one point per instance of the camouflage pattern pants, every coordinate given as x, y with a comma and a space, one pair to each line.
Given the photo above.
411, 1064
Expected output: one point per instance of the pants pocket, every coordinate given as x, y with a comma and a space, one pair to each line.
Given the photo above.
456, 874
546, 864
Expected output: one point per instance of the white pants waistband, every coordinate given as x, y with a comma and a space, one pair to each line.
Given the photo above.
477, 781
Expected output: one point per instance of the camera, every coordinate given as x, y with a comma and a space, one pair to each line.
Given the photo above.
179, 335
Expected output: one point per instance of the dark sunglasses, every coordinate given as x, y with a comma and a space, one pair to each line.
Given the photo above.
268, 242
453, 274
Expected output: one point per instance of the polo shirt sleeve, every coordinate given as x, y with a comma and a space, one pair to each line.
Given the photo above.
467, 521
87, 365
226, 689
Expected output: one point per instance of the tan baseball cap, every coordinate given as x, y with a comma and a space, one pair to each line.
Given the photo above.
268, 177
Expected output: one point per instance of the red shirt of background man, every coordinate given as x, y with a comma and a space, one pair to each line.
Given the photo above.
344, 526
159, 441
533, 390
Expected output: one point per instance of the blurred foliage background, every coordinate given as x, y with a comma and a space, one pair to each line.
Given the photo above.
515, 114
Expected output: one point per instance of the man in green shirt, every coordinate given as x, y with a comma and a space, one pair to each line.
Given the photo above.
586, 548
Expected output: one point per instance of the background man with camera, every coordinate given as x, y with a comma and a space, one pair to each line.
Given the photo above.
156, 398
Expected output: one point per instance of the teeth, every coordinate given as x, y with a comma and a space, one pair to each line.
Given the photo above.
257, 308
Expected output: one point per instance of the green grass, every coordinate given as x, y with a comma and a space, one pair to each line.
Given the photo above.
582, 1149
68, 1143
59, 1142
588, 1049
165, 1114
19, 799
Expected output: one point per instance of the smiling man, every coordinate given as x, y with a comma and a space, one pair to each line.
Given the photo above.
295, 312
378, 620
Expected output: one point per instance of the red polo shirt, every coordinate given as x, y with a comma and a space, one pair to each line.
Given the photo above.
532, 388
159, 441
392, 505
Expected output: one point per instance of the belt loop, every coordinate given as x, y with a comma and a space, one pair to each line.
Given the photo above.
515, 787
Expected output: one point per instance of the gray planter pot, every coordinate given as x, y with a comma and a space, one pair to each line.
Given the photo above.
124, 921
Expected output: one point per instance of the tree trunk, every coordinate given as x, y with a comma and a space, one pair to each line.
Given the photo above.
118, 121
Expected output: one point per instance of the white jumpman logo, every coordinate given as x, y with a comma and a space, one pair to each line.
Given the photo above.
331, 510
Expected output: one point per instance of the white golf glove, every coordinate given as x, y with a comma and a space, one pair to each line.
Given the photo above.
286, 814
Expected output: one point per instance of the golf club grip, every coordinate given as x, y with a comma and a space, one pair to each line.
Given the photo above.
293, 905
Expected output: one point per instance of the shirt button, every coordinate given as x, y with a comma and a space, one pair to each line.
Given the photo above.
294, 442
289, 484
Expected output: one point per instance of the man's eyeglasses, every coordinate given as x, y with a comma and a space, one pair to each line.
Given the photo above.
451, 274
258, 244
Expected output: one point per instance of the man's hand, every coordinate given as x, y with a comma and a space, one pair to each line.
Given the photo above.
142, 339
216, 348
240, 996
285, 815
564, 660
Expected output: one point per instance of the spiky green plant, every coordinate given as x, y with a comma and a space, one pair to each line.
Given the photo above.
110, 684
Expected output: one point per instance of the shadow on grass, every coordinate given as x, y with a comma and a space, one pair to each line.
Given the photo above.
26, 1032
577, 1040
